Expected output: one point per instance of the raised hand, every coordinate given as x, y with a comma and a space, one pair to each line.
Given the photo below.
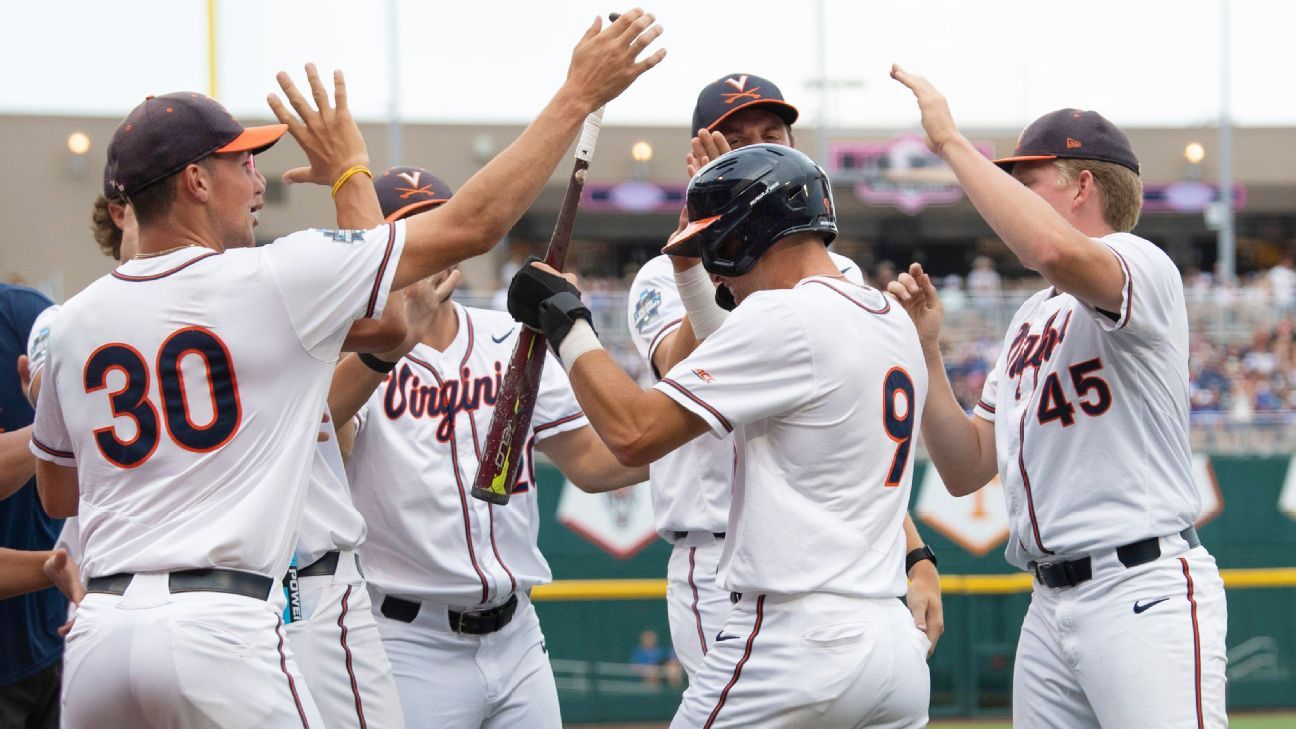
419, 304
937, 121
604, 62
326, 132
706, 147
916, 293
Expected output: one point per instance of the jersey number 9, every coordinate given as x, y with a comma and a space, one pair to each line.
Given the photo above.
131, 401
898, 419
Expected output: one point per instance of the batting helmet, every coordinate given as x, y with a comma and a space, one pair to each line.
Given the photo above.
745, 201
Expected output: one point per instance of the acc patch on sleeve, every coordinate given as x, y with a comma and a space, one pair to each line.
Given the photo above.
647, 308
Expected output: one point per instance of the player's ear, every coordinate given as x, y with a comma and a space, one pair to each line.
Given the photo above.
1086, 187
196, 182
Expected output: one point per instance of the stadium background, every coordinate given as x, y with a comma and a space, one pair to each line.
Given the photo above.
895, 205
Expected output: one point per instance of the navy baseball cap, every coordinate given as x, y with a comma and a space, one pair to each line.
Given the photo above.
1072, 134
725, 96
164, 134
403, 191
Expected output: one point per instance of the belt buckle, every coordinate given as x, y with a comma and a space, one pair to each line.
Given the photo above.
465, 614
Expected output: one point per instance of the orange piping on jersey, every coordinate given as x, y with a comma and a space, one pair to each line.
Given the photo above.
164, 274
382, 270
699, 401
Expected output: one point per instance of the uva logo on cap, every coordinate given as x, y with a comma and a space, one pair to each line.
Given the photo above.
413, 179
743, 92
1073, 143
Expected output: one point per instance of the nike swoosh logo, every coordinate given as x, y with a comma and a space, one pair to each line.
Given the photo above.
844, 270
721, 636
1140, 608
502, 338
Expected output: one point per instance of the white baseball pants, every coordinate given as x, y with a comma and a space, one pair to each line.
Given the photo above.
339, 651
1086, 658
823, 661
450, 680
695, 605
151, 659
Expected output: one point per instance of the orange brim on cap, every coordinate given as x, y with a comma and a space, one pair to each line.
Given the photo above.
781, 112
1024, 158
255, 139
412, 208
682, 243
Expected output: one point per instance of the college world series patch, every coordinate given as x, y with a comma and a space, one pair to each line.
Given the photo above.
340, 236
647, 308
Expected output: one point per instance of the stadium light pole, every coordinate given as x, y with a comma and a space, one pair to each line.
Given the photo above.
1226, 252
393, 90
211, 48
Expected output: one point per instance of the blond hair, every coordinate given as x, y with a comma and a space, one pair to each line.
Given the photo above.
1122, 190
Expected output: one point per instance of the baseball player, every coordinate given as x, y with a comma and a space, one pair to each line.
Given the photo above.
1085, 419
815, 544
452, 575
331, 628
691, 486
183, 391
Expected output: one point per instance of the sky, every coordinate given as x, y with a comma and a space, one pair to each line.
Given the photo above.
1001, 63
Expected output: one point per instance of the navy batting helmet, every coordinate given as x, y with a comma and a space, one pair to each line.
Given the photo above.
745, 201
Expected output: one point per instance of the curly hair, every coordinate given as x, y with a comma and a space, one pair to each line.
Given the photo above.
106, 232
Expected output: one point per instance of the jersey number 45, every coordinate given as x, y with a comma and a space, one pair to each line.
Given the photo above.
131, 400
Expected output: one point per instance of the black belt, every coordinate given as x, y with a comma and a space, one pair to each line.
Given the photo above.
325, 566
213, 579
1072, 573
470, 622
684, 535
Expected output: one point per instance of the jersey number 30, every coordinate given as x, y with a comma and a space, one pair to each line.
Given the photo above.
132, 401
898, 419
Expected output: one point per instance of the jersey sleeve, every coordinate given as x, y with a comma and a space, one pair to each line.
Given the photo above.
556, 409
985, 407
757, 364
38, 340
1152, 289
654, 308
329, 278
50, 438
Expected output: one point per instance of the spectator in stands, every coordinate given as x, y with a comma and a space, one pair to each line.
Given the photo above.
1281, 280
984, 285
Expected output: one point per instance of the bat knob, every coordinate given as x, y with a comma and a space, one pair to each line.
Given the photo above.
613, 16
493, 497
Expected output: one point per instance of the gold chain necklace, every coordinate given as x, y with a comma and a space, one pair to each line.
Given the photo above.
155, 254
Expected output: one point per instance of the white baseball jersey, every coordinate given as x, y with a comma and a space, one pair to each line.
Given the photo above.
823, 385
690, 485
417, 445
1091, 415
187, 390
330, 520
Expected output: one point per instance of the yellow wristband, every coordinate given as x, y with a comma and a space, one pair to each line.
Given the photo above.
358, 169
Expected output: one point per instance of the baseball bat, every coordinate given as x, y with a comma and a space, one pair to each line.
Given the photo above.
511, 421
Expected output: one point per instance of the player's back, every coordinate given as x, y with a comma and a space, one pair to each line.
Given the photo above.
190, 402
824, 383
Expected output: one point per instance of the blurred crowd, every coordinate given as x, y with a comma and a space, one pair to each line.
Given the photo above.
1243, 345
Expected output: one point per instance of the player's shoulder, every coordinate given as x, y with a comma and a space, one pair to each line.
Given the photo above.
1129, 244
657, 272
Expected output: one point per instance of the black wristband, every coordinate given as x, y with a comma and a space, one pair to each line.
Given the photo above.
918, 555
382, 367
